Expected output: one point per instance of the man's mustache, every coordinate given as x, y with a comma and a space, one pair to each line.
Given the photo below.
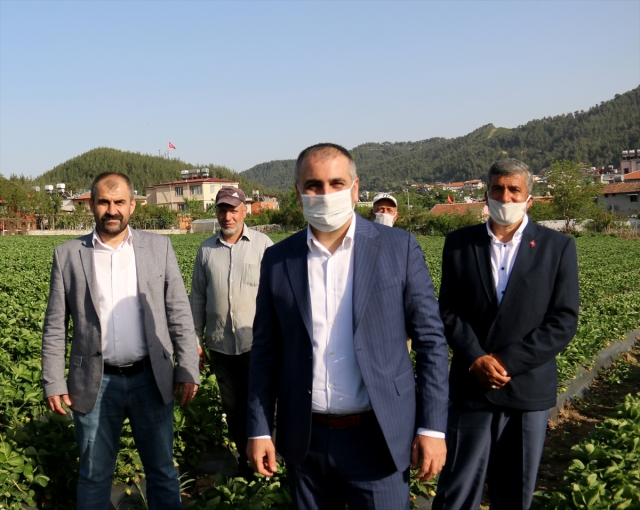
108, 217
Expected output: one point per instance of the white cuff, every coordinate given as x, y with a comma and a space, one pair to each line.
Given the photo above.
430, 433
260, 437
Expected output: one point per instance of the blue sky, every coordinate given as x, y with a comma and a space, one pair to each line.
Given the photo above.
240, 83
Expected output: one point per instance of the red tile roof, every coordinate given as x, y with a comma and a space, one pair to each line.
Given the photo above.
84, 196
633, 176
475, 207
621, 187
183, 181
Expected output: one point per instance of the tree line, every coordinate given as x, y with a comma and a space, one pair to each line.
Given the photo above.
593, 137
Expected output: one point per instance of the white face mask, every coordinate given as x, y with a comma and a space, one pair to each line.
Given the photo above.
328, 212
507, 213
384, 219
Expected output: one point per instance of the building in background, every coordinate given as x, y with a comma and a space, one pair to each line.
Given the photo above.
632, 177
630, 162
260, 203
621, 198
479, 208
172, 194
473, 185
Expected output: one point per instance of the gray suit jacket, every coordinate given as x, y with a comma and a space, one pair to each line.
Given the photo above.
74, 293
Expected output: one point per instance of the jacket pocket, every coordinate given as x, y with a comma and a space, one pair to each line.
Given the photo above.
251, 274
75, 360
168, 353
405, 382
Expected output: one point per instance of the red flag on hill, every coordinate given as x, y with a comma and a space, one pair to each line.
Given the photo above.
450, 199
171, 146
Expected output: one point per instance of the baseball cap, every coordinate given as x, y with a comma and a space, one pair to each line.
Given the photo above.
380, 196
230, 195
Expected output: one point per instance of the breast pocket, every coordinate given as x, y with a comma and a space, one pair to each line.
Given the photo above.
155, 280
251, 274
385, 284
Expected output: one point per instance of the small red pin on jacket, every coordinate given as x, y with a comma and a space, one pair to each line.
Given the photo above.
533, 244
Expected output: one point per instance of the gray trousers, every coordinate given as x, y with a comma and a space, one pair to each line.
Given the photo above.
500, 444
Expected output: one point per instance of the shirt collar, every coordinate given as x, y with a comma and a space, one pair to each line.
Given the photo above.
518, 234
96, 239
347, 242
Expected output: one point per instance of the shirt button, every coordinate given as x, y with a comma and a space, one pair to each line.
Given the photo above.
502, 268
330, 354
331, 385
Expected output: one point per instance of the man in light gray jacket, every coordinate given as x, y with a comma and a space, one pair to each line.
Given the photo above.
124, 291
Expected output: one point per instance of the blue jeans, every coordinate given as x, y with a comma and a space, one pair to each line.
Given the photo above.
98, 435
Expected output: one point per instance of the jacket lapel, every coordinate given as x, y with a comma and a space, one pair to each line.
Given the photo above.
88, 266
143, 274
365, 257
299, 278
526, 253
483, 257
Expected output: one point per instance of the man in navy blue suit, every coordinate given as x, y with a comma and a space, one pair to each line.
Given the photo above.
335, 304
509, 302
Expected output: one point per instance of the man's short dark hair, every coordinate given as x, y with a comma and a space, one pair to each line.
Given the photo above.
325, 150
110, 176
511, 166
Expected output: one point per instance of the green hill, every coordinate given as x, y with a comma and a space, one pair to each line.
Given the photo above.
142, 169
594, 137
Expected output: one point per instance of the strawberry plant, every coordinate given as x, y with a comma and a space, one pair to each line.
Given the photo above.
605, 471
39, 456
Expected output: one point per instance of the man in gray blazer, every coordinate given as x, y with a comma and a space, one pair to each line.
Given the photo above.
124, 291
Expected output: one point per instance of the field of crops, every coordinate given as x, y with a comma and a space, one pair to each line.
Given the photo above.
38, 457
605, 471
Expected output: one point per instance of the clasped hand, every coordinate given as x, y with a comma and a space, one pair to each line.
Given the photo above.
490, 371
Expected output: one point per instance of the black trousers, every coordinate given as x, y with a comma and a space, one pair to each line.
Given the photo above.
232, 374
351, 466
500, 444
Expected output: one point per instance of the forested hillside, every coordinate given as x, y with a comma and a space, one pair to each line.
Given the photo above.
143, 169
593, 137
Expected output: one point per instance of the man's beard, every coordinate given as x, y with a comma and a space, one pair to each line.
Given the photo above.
112, 229
231, 231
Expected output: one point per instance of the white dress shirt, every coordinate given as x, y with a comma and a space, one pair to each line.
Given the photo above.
121, 321
338, 387
503, 255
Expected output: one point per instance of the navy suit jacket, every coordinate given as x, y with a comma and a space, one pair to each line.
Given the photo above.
536, 319
392, 296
